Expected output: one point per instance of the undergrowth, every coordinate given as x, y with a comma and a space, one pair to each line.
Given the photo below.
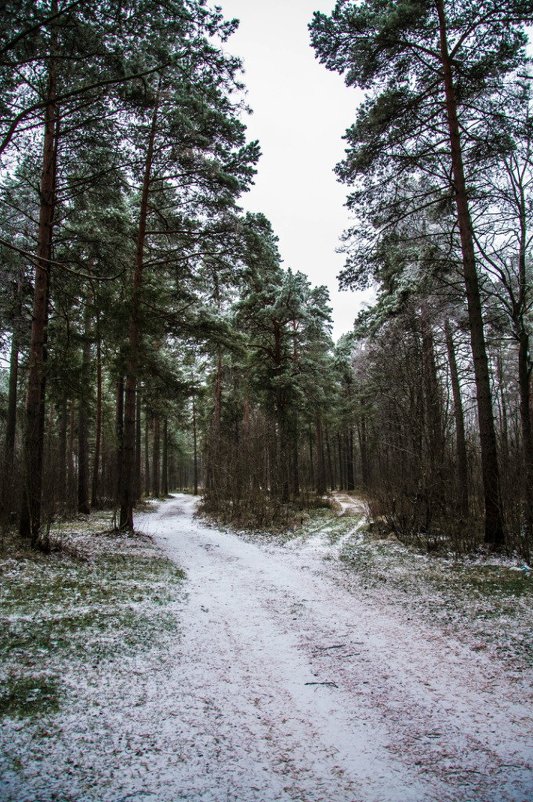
101, 597
486, 598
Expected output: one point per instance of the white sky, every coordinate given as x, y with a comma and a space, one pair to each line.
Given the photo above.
301, 111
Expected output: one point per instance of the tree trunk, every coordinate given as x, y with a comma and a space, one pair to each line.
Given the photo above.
164, 460
494, 529
119, 430
95, 491
195, 448
350, 472
11, 423
524, 378
462, 464
61, 491
127, 493
363, 447
147, 477
71, 448
138, 442
156, 458
320, 463
331, 463
30, 513
83, 418
340, 460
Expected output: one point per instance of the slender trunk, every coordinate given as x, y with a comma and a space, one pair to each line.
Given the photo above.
71, 447
331, 463
127, 495
295, 469
504, 414
61, 491
524, 379
321, 467
156, 458
11, 423
458, 413
350, 470
30, 513
95, 491
525, 367
138, 439
340, 459
147, 477
119, 430
195, 448
311, 460
365, 470
494, 529
164, 459
83, 419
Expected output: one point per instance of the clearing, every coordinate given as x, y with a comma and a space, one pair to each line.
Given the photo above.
321, 668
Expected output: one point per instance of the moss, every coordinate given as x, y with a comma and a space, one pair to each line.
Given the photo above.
28, 696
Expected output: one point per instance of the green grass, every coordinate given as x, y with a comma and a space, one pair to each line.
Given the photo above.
29, 696
59, 609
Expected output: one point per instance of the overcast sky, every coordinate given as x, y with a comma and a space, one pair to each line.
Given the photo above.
300, 112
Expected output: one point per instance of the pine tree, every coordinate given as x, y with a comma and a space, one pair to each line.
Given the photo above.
428, 68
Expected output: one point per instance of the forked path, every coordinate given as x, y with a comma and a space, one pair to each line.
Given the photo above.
288, 687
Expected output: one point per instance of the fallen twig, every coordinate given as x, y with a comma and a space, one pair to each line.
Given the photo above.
331, 684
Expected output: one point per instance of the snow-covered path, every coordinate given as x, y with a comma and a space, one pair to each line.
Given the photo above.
285, 682
286, 687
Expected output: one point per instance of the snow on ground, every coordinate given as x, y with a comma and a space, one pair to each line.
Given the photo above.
282, 683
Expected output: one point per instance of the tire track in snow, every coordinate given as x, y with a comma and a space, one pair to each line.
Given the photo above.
411, 715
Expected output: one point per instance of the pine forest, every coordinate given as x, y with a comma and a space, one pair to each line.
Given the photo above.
157, 349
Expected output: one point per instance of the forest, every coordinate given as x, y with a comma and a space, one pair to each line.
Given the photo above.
151, 338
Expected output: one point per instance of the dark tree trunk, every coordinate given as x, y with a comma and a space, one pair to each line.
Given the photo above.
320, 463
11, 423
138, 442
340, 459
95, 491
331, 463
195, 449
61, 490
311, 460
71, 447
164, 460
494, 529
350, 470
127, 493
363, 447
524, 379
119, 430
147, 477
156, 458
83, 418
504, 414
295, 465
30, 513
462, 464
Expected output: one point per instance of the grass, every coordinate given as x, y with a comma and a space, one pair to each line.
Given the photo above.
28, 696
325, 522
107, 597
487, 602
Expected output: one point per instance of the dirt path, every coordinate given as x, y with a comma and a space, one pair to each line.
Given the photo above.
289, 688
283, 684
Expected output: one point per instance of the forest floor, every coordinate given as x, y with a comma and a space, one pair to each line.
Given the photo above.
322, 665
